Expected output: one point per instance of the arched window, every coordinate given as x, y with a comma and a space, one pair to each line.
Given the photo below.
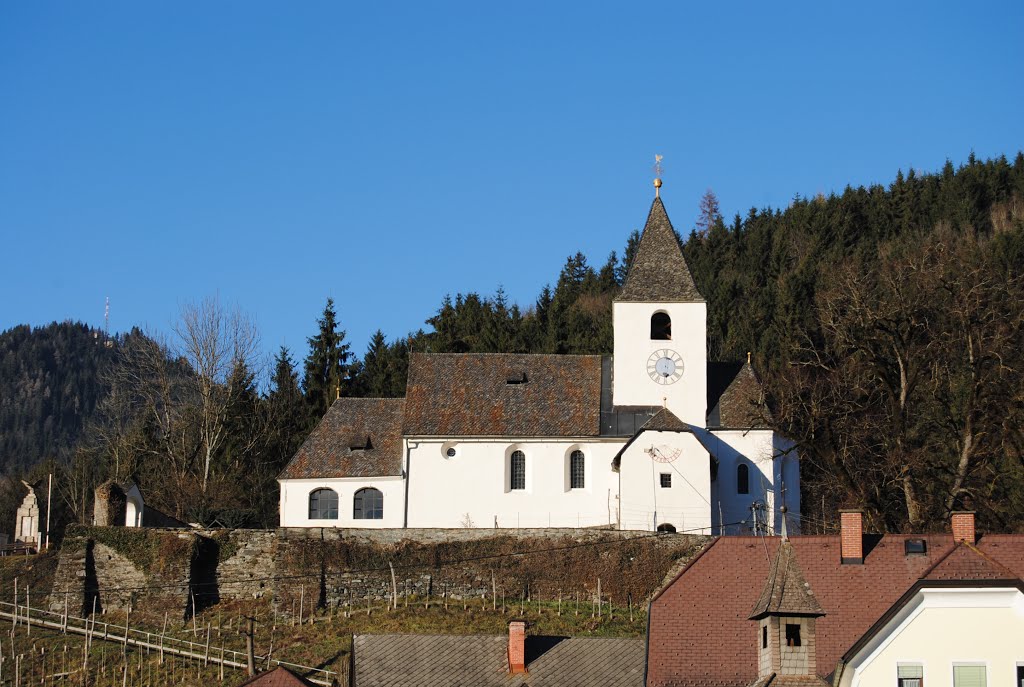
368, 504
577, 463
517, 470
666, 527
323, 504
742, 479
661, 327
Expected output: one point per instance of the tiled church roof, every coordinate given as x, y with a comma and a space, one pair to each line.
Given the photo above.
358, 437
498, 394
658, 272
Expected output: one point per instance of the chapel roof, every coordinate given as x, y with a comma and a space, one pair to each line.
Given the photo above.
482, 661
717, 589
735, 397
666, 421
659, 272
358, 437
503, 394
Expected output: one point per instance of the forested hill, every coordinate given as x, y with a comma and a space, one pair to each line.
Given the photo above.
50, 384
887, 324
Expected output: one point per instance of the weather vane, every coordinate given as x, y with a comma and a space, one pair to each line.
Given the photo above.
657, 174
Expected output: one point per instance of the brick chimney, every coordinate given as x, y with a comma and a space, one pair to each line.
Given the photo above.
517, 647
851, 539
963, 525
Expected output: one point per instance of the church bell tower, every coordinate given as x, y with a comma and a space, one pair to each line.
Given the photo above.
660, 323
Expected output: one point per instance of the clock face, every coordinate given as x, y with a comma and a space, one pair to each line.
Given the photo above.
665, 366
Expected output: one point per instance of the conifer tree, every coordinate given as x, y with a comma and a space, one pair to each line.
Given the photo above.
327, 365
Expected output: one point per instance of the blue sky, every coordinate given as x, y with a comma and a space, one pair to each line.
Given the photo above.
387, 154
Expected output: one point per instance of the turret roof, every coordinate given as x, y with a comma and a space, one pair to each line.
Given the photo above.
786, 591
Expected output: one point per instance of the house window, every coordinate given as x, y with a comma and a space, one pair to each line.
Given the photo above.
666, 480
792, 635
576, 471
323, 504
368, 504
517, 470
911, 675
742, 479
1020, 676
970, 676
764, 636
661, 327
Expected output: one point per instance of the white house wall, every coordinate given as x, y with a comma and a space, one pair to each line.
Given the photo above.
943, 627
646, 504
295, 493
687, 398
472, 488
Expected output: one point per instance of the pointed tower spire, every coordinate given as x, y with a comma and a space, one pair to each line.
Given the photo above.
658, 273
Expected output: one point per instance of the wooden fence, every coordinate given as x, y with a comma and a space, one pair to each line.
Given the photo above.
159, 642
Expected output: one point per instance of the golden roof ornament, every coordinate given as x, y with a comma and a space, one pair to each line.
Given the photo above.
657, 175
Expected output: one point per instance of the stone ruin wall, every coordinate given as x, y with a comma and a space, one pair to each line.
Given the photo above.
340, 567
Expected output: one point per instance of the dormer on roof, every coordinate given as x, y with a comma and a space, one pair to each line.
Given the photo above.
658, 273
786, 612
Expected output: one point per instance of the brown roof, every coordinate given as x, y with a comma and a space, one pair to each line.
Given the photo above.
358, 437
735, 397
786, 592
967, 562
482, 661
658, 271
503, 394
699, 631
278, 677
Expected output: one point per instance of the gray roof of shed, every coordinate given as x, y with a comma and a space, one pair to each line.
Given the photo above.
482, 661
659, 271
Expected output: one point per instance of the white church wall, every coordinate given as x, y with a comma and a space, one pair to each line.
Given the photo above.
685, 504
687, 398
295, 493
755, 449
472, 488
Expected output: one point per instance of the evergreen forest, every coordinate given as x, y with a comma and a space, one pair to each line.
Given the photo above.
884, 322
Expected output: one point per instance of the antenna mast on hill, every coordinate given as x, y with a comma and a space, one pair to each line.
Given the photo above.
106, 325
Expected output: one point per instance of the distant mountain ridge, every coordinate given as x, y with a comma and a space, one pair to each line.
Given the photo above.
51, 379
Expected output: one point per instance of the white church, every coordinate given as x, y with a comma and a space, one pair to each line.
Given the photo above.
653, 437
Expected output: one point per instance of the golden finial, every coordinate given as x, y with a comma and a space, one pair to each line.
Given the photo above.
657, 174
337, 391
748, 357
